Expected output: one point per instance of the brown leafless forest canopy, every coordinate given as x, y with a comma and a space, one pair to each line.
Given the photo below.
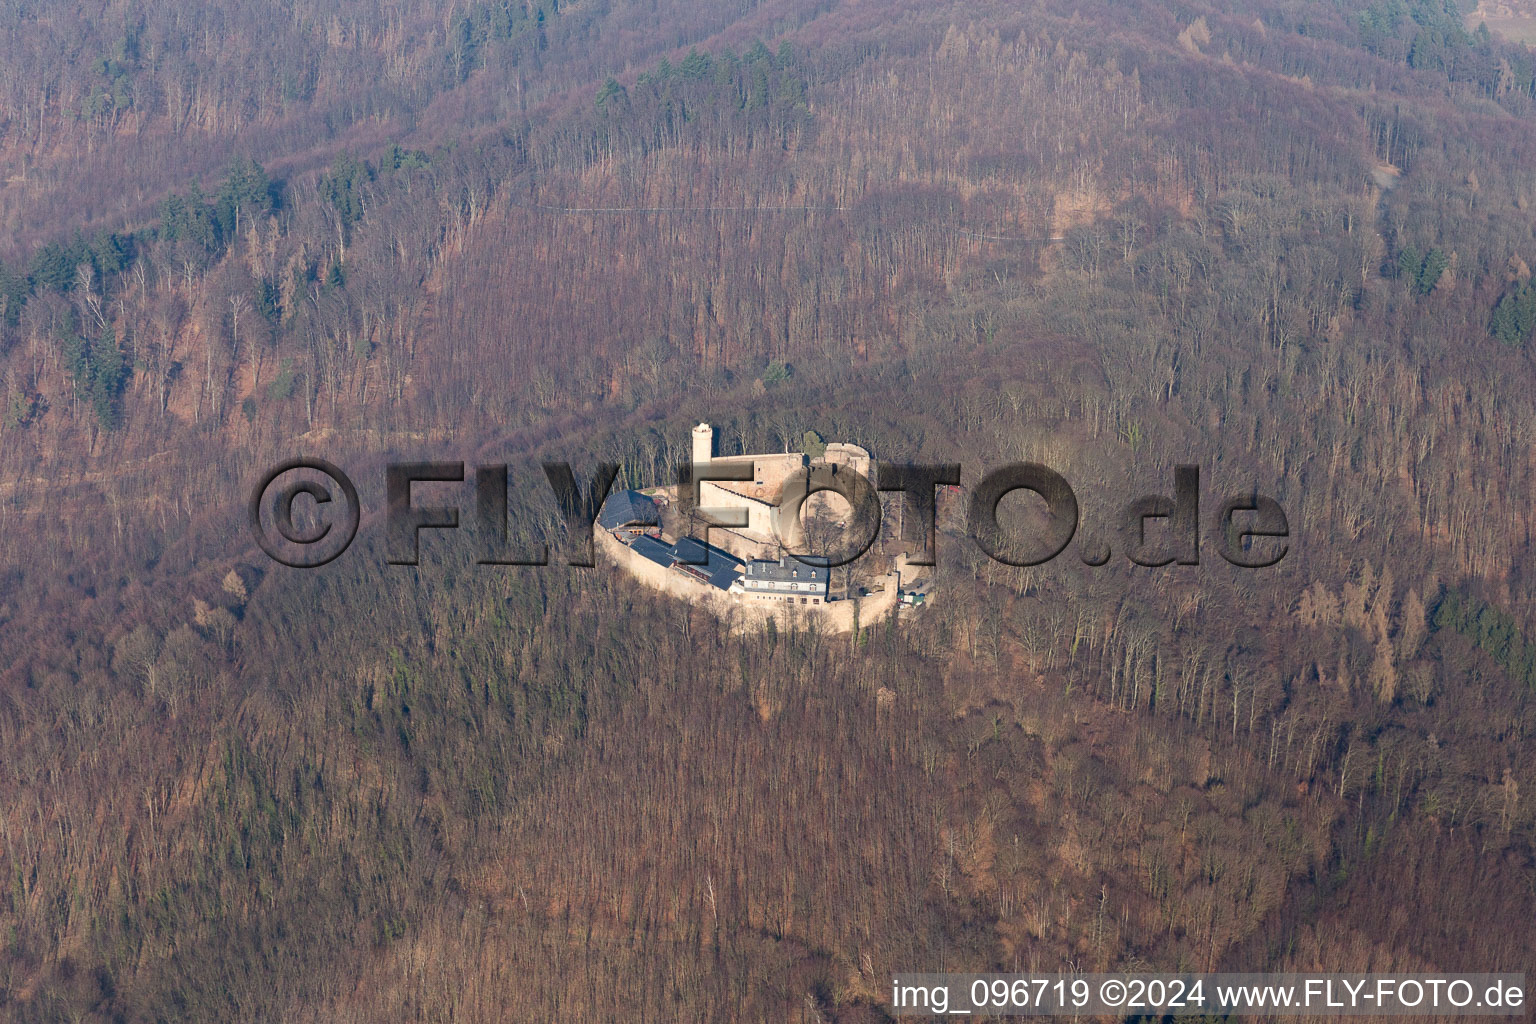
1290, 242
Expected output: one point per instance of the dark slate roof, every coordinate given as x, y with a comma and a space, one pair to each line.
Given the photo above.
691, 549
657, 551
790, 567
710, 564
627, 508
707, 560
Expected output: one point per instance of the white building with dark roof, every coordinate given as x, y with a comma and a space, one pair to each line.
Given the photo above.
803, 580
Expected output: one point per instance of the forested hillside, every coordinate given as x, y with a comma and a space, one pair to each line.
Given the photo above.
1288, 242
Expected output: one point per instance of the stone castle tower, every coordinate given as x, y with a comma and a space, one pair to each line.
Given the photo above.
703, 444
